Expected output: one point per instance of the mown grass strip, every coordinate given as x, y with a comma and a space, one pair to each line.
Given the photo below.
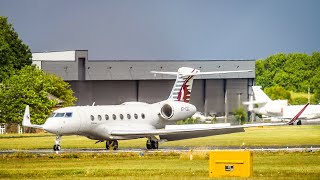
266, 165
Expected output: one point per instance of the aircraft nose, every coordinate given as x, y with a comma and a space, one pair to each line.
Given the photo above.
51, 127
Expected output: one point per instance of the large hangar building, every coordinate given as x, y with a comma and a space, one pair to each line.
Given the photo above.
105, 82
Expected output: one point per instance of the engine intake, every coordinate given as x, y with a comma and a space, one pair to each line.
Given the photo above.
167, 111
175, 110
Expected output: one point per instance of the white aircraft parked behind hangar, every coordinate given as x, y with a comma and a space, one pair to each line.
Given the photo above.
132, 120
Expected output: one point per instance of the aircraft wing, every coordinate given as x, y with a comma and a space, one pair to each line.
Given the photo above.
189, 131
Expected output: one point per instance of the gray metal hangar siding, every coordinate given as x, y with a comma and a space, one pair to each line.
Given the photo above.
136, 83
118, 81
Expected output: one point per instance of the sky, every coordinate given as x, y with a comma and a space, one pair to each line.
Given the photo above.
167, 29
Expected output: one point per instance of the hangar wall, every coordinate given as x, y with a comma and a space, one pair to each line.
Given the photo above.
207, 95
118, 81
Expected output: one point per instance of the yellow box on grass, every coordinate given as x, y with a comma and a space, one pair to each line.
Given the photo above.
230, 164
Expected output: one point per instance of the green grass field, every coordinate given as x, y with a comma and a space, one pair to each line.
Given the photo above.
266, 136
280, 165
162, 165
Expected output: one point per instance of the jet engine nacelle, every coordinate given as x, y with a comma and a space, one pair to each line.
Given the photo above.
175, 110
275, 110
276, 107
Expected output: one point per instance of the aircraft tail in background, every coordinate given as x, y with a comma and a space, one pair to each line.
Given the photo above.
259, 95
265, 105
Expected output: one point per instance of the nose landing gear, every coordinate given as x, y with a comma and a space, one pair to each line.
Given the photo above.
56, 146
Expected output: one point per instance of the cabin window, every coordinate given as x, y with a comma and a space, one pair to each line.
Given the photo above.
136, 116
107, 117
114, 116
121, 116
143, 116
68, 114
59, 115
52, 115
128, 116
99, 117
92, 117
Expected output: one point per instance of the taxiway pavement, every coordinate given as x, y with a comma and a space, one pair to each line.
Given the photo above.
308, 148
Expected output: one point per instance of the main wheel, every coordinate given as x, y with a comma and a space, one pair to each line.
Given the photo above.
112, 145
148, 144
107, 144
115, 144
154, 144
299, 122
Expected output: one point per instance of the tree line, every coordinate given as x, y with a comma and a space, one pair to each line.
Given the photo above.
297, 72
24, 84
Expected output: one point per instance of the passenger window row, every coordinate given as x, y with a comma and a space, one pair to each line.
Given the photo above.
114, 117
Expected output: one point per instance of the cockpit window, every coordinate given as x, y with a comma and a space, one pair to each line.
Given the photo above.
59, 115
69, 114
52, 114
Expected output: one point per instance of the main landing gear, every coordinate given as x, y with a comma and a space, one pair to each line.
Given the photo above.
56, 146
111, 144
152, 144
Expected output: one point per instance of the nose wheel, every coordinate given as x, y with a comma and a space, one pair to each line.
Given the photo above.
56, 146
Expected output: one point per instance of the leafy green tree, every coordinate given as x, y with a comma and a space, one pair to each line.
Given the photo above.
30, 86
14, 54
299, 100
240, 115
277, 92
294, 72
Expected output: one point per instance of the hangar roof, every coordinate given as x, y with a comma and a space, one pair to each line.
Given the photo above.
80, 68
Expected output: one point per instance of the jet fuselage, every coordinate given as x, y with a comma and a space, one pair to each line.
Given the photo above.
97, 122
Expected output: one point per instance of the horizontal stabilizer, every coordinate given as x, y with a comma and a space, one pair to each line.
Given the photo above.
219, 72
162, 72
199, 73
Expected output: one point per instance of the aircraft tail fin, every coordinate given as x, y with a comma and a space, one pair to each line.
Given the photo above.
259, 95
294, 119
182, 88
26, 119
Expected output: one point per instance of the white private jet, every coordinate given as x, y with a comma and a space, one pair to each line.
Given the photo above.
132, 120
280, 109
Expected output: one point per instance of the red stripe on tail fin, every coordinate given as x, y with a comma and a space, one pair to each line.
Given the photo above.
293, 120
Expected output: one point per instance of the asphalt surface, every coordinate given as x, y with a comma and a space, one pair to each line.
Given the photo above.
307, 148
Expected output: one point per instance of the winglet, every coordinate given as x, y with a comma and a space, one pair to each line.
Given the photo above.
294, 119
26, 119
